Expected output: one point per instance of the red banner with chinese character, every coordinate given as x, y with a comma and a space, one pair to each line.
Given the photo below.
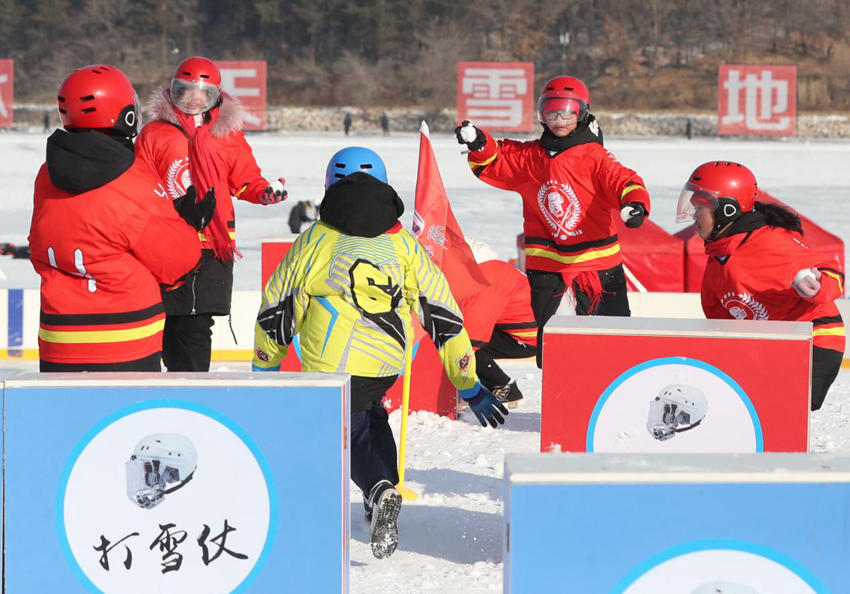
7, 92
496, 95
246, 80
757, 99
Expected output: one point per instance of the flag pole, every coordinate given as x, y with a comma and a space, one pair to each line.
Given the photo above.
407, 493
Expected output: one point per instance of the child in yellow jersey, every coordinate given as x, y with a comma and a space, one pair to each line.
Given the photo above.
347, 287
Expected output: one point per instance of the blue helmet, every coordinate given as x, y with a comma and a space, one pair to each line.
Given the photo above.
352, 159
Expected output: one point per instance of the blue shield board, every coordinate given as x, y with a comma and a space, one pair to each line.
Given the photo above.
136, 482
683, 523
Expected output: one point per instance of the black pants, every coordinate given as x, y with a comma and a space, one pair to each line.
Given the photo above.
373, 448
149, 363
187, 342
548, 288
501, 345
826, 364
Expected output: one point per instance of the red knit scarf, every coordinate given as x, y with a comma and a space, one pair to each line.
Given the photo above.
587, 282
207, 172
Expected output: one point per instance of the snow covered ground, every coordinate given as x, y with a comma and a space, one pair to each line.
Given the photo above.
451, 535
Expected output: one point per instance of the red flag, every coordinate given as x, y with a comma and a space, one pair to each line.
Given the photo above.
436, 228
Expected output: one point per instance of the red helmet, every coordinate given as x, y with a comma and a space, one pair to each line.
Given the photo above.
196, 85
564, 93
727, 188
99, 97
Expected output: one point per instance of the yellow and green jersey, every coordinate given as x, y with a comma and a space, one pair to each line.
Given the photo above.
350, 298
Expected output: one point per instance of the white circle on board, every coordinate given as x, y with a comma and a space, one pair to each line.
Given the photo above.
227, 494
620, 423
727, 571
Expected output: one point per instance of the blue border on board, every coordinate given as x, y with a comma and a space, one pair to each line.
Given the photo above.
149, 405
591, 428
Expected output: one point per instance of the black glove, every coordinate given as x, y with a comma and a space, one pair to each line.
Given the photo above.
197, 214
632, 214
487, 408
471, 136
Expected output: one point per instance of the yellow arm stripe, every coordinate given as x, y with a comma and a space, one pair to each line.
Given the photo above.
473, 164
591, 255
529, 333
629, 189
242, 189
203, 236
829, 332
101, 336
837, 277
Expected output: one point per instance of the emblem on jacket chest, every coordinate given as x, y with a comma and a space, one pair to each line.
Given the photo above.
743, 306
178, 178
561, 209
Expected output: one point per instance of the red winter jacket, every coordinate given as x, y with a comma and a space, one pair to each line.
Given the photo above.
568, 200
103, 237
165, 147
748, 277
505, 305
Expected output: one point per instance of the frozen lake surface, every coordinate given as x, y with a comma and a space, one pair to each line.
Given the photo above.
451, 536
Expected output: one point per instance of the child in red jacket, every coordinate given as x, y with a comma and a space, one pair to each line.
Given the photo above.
571, 188
196, 137
104, 235
758, 266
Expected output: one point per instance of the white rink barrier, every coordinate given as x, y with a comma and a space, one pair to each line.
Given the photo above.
689, 524
134, 482
19, 310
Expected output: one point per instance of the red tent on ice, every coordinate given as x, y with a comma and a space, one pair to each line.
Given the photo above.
652, 258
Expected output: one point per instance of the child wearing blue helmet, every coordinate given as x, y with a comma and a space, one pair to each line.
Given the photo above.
348, 287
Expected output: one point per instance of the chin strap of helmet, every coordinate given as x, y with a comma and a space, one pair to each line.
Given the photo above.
179, 485
727, 212
688, 428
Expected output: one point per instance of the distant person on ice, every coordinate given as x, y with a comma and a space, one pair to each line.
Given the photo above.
302, 212
348, 286
104, 235
759, 267
571, 188
385, 124
346, 123
196, 137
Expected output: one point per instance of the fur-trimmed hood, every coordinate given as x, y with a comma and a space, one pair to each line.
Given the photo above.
231, 114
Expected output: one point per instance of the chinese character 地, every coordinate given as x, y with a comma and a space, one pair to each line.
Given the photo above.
764, 100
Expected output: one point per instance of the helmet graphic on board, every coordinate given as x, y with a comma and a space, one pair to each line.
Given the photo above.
160, 464
564, 93
677, 408
724, 187
196, 85
99, 97
724, 588
352, 159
